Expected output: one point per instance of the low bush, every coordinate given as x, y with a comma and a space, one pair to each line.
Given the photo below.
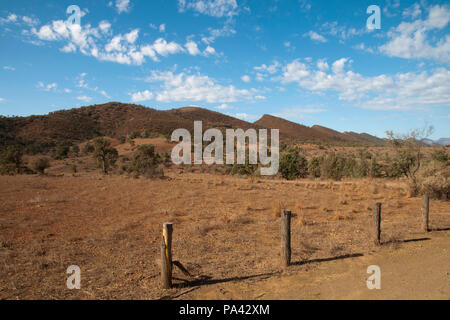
40, 164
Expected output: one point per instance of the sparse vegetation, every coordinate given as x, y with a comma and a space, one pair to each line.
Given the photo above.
104, 154
145, 161
40, 164
293, 165
11, 160
409, 154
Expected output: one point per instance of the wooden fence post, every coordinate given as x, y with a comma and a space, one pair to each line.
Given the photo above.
166, 256
285, 237
425, 212
377, 223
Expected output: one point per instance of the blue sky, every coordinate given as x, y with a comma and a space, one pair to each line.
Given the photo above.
312, 62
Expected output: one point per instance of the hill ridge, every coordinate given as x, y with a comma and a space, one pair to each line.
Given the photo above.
117, 119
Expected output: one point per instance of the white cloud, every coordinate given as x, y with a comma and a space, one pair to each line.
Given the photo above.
322, 65
298, 112
214, 8
401, 91
2, 100
338, 65
164, 48
413, 11
226, 31
196, 87
30, 21
24, 20
100, 43
70, 47
84, 98
224, 106
315, 36
246, 117
192, 48
342, 32
141, 96
414, 40
47, 87
123, 6
10, 18
132, 36
269, 69
305, 5
209, 51
104, 26
162, 28
246, 78
9, 68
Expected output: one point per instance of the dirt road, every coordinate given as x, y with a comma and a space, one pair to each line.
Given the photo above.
414, 269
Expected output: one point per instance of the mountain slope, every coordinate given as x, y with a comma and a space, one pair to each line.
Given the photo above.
119, 119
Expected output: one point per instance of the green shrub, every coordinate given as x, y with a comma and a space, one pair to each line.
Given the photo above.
75, 150
314, 167
61, 151
243, 169
332, 167
40, 164
145, 160
135, 134
293, 165
440, 155
88, 148
105, 155
433, 179
11, 160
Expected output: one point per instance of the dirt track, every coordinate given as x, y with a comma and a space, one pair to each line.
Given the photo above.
419, 269
226, 232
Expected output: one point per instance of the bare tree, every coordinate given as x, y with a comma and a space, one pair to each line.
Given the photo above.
409, 156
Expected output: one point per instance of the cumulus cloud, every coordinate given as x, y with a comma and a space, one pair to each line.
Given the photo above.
192, 48
122, 6
401, 91
141, 96
245, 78
224, 106
214, 8
195, 87
10, 18
416, 39
84, 98
315, 36
101, 43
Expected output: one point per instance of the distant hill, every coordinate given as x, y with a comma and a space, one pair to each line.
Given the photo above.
440, 142
116, 119
443, 141
316, 133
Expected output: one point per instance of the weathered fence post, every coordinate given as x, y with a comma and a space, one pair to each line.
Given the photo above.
377, 223
425, 212
285, 237
166, 256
